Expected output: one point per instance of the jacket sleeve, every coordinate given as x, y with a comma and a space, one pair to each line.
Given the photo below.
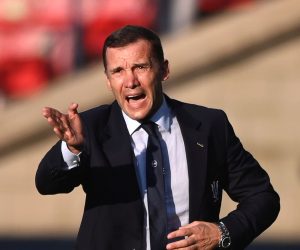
249, 185
53, 175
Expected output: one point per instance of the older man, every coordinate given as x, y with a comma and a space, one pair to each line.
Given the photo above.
153, 168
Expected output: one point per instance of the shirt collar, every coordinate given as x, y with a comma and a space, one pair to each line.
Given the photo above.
162, 118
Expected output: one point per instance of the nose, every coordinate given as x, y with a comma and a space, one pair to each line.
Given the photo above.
131, 80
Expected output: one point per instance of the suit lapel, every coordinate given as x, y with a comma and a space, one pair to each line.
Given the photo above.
196, 146
116, 141
118, 150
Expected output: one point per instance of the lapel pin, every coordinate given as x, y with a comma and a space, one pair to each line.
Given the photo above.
200, 145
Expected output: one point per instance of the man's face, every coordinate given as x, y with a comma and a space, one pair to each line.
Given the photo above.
134, 75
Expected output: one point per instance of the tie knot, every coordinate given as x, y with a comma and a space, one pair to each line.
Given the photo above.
150, 127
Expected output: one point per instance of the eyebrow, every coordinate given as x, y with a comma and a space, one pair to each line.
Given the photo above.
114, 70
148, 64
119, 68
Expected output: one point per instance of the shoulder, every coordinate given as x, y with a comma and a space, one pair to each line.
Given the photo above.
198, 112
96, 111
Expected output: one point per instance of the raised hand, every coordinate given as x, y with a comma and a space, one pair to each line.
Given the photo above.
68, 127
198, 235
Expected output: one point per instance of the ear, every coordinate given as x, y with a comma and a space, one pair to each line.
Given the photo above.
165, 70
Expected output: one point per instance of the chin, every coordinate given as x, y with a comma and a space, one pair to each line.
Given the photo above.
137, 115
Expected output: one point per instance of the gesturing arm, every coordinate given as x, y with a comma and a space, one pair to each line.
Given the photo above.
68, 127
54, 175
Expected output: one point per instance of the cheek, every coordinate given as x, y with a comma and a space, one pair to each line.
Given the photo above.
149, 82
116, 87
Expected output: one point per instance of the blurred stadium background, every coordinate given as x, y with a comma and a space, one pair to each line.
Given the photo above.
242, 56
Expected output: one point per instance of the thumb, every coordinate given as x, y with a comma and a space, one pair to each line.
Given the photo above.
72, 110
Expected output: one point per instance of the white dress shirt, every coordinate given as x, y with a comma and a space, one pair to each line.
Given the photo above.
175, 164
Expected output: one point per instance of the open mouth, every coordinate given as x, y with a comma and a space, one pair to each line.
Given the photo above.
135, 97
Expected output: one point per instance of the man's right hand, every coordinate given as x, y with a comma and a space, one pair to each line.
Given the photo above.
68, 127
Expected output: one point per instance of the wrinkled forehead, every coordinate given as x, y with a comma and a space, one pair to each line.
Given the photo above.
139, 51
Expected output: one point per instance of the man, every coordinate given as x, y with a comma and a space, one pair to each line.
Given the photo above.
161, 188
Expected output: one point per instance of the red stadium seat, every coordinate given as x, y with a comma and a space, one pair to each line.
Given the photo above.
100, 18
211, 6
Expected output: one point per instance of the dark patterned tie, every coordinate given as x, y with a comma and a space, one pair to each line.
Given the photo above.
155, 189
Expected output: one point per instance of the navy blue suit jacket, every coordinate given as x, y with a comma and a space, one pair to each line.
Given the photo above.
113, 213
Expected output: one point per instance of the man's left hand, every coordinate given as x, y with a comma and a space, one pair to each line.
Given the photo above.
198, 235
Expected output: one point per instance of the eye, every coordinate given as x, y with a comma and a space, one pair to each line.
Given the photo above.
142, 68
116, 71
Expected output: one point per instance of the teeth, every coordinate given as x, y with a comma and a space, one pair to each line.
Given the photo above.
135, 97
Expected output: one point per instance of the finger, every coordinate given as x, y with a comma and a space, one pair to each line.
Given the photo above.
46, 112
53, 122
64, 122
72, 110
59, 122
193, 224
187, 242
50, 112
63, 133
58, 133
56, 122
182, 232
57, 126
55, 118
74, 119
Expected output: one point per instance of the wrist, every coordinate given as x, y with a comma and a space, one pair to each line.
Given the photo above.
224, 240
75, 150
